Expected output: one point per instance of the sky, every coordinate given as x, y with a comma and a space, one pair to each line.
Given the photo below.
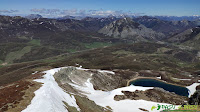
100, 7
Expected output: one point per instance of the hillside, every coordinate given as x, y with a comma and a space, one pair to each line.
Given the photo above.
143, 56
31, 37
168, 28
126, 61
189, 38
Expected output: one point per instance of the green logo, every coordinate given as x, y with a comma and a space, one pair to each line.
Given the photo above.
153, 107
172, 108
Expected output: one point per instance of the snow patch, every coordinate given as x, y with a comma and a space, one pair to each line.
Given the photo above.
106, 71
50, 96
181, 79
80, 68
158, 77
192, 88
34, 72
198, 54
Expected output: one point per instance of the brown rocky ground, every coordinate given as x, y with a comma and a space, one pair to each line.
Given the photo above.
100, 80
155, 95
17, 96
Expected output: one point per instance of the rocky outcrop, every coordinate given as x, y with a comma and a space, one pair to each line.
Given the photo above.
100, 80
155, 95
195, 98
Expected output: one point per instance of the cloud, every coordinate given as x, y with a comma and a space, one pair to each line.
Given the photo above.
114, 13
46, 11
101, 12
81, 12
107, 13
74, 12
69, 12
8, 11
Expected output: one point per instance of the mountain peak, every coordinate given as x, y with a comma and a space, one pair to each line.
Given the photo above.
127, 28
126, 21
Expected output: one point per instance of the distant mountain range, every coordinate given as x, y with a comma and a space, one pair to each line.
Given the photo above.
140, 28
165, 18
176, 18
70, 17
33, 16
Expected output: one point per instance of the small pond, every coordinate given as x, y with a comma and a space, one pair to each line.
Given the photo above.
155, 83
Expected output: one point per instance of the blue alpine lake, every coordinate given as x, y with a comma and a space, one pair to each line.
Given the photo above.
155, 83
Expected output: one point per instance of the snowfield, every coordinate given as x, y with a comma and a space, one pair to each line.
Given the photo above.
104, 99
50, 97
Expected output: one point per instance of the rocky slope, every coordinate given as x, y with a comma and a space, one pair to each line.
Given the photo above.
186, 35
127, 28
195, 98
